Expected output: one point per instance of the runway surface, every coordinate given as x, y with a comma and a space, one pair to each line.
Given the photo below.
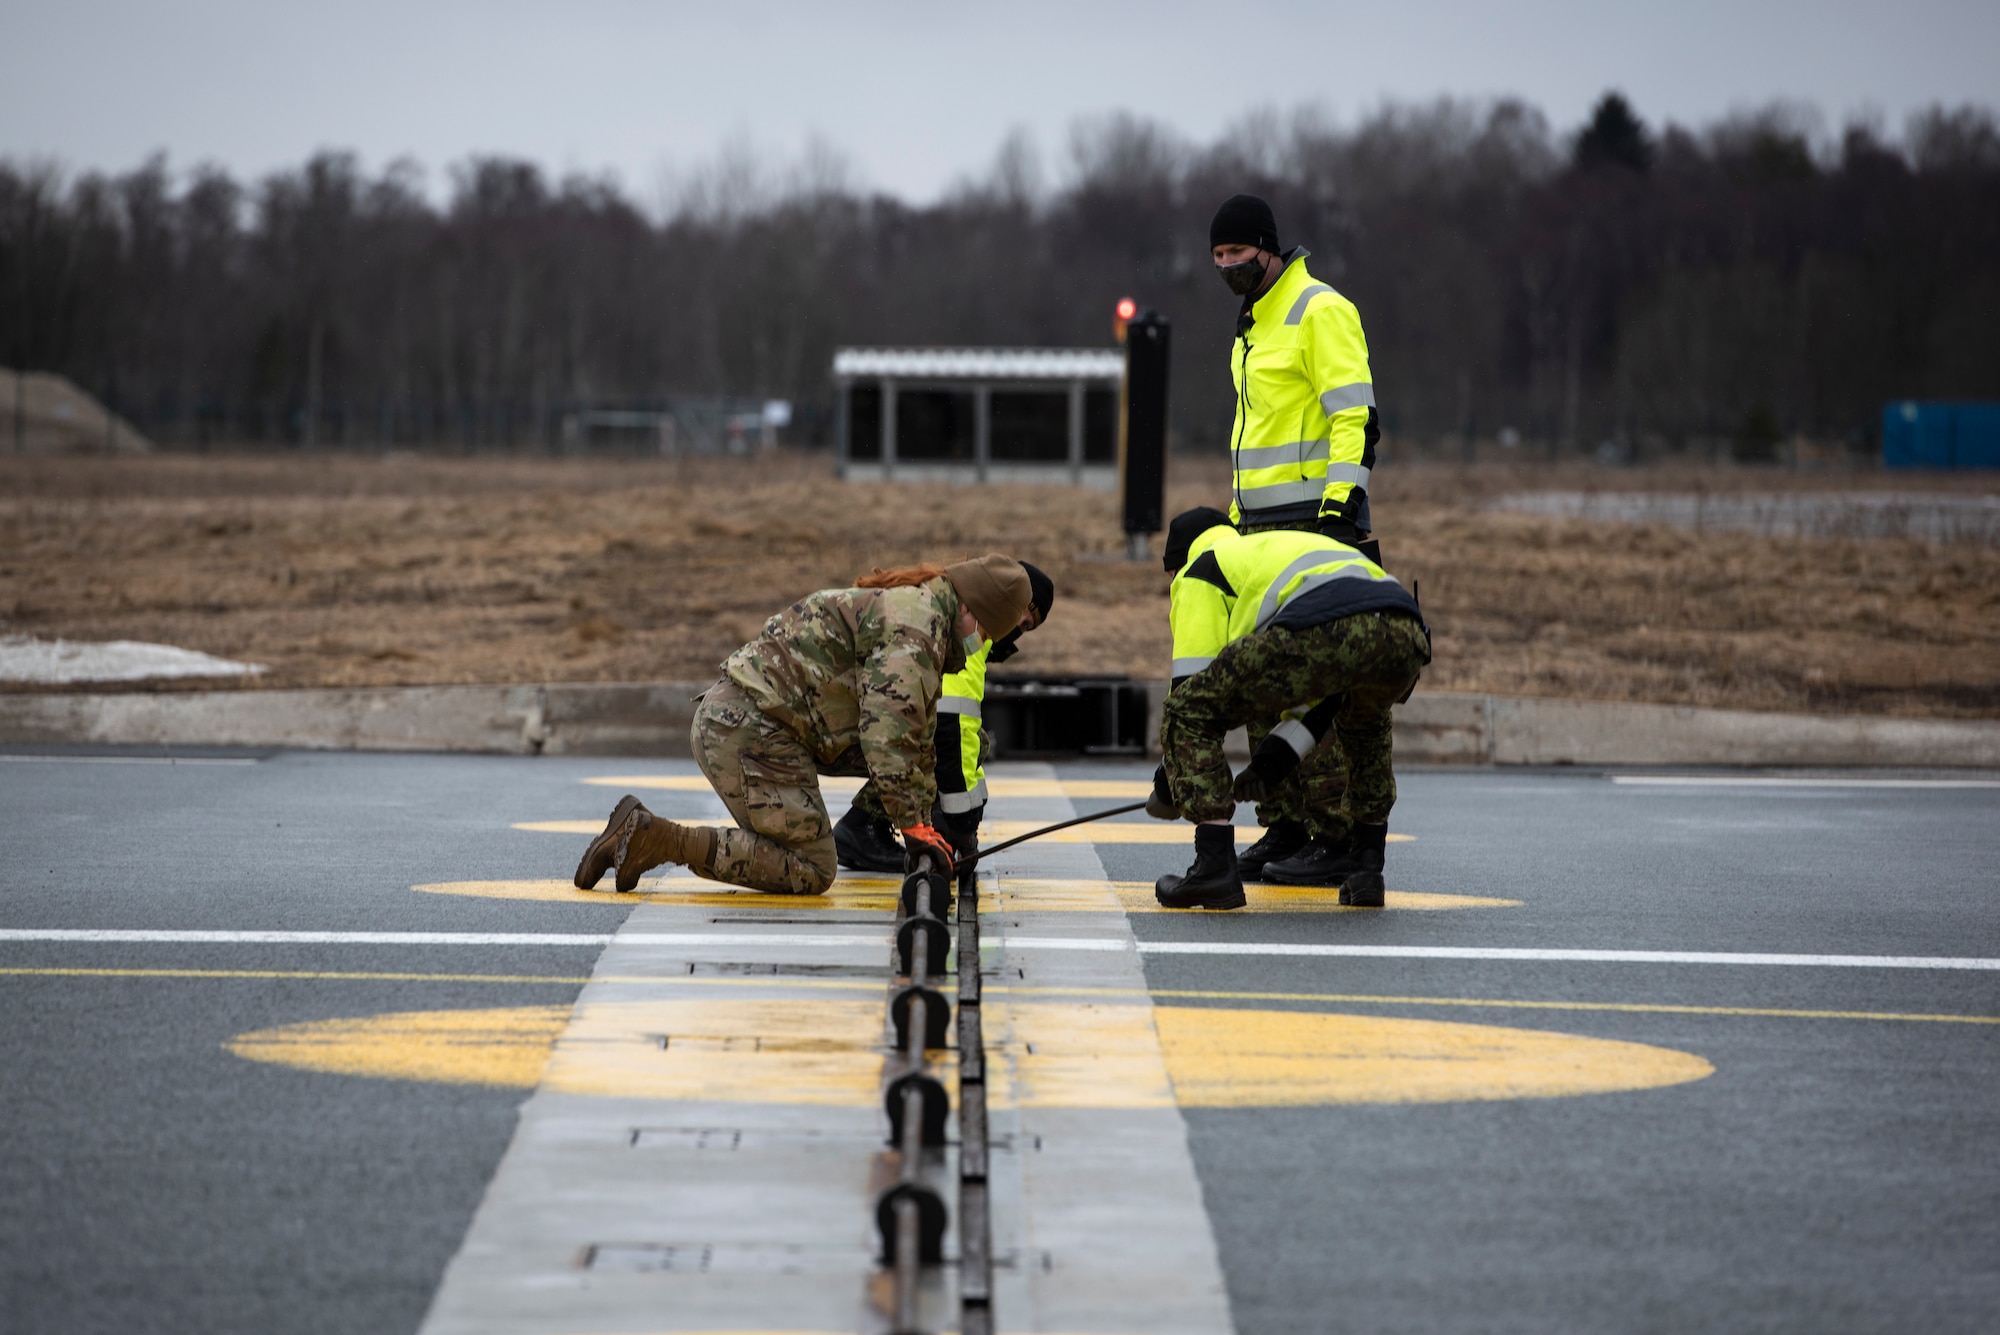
1624, 1052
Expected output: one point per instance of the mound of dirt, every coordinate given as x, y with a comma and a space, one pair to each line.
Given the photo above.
42, 413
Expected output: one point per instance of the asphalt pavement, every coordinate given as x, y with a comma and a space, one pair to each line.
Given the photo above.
1833, 1172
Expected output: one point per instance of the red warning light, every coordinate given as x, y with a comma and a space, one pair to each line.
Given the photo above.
1127, 308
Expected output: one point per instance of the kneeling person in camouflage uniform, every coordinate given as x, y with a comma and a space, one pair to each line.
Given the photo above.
1286, 625
864, 837
851, 673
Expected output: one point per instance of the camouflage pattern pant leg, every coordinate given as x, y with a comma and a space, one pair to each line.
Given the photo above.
764, 774
1312, 795
1370, 659
868, 802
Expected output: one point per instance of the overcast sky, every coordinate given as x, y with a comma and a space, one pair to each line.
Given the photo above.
914, 95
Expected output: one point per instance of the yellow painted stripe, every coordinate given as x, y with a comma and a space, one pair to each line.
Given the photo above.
1029, 993
992, 831
1627, 1007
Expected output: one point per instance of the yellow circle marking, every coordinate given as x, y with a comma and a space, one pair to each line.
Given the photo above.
878, 894
1222, 1058
829, 1052
507, 1046
990, 832
755, 1050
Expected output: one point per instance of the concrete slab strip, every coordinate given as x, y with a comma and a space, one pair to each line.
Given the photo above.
651, 719
695, 1161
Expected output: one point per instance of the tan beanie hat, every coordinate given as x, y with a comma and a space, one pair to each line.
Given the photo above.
994, 589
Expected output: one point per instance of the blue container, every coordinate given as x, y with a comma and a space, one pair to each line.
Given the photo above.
1940, 435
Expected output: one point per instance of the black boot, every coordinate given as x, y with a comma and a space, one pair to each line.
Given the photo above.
1363, 887
1323, 861
1212, 882
863, 842
1280, 841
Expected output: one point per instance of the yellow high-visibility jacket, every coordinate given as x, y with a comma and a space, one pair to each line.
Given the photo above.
1235, 585
961, 780
1304, 437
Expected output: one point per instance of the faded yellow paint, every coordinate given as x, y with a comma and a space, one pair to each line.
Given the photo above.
1222, 1058
1092, 1054
824, 1051
506, 1047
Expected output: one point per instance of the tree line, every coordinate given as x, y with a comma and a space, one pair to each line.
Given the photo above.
1619, 286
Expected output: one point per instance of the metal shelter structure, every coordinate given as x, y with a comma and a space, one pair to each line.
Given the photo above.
974, 414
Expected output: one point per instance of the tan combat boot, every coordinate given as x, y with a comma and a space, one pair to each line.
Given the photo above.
603, 850
650, 841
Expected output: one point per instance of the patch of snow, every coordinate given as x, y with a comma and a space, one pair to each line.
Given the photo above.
25, 658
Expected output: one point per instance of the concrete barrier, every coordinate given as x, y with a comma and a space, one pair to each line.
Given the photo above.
651, 719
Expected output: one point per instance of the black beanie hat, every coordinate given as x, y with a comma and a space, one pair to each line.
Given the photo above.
1185, 528
1244, 220
1041, 592
1042, 596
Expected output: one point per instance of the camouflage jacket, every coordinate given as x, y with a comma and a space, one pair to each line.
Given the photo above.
861, 667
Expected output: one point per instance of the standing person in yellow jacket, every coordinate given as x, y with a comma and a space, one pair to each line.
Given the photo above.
1301, 448
864, 838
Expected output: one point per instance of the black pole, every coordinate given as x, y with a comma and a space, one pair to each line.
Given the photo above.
1142, 451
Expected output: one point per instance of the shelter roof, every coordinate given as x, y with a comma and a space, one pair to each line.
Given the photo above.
981, 363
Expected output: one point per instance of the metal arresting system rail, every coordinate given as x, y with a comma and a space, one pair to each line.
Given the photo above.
911, 1213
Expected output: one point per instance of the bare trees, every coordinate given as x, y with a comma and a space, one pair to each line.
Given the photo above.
1656, 288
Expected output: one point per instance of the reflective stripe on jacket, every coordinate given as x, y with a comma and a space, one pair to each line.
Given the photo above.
1303, 441
960, 780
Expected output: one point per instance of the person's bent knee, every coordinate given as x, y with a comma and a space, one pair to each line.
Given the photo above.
818, 863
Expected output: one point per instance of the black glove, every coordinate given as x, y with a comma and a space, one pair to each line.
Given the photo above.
1340, 528
1271, 764
1160, 805
961, 828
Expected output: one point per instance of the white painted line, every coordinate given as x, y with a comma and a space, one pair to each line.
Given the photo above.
135, 760
124, 936
1738, 781
1091, 943
1590, 956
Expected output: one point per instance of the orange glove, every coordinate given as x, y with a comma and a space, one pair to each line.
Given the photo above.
921, 839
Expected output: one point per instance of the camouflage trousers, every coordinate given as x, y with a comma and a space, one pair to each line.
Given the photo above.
1311, 795
767, 778
1369, 661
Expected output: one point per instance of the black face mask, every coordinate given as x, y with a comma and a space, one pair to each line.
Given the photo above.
1244, 278
1005, 647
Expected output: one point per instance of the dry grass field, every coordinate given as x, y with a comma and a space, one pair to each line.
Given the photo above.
341, 570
